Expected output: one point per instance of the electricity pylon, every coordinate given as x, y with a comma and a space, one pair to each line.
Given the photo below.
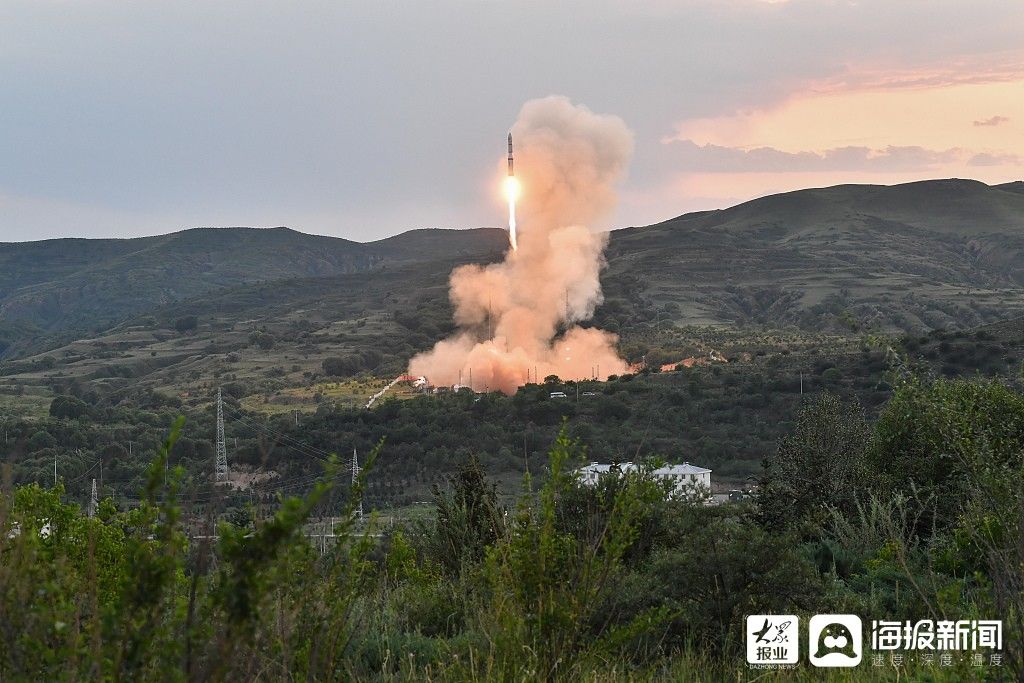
355, 478
222, 449
94, 501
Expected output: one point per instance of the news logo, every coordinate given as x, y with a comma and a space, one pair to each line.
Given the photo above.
835, 640
772, 639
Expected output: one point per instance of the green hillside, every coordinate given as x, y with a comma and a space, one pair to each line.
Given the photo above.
61, 289
909, 257
267, 308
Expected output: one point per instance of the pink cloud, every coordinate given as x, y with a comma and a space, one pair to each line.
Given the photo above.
989, 159
709, 158
992, 121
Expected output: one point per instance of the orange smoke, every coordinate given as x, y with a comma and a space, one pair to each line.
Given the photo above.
517, 317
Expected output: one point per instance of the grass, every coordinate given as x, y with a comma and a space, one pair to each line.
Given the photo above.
353, 392
33, 403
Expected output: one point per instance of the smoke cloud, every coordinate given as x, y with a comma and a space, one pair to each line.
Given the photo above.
517, 318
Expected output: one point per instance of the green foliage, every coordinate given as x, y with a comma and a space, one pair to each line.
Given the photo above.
264, 340
721, 569
819, 466
69, 408
931, 435
123, 597
544, 585
467, 519
186, 323
618, 581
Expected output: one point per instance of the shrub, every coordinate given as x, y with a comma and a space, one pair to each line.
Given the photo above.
187, 323
820, 465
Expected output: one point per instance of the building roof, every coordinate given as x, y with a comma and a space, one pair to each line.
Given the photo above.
598, 468
685, 468
673, 470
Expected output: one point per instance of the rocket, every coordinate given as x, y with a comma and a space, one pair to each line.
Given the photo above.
511, 191
511, 172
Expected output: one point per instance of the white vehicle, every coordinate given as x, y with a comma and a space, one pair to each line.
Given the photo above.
557, 394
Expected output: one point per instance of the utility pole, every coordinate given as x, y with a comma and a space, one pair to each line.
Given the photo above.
54, 470
221, 472
355, 477
93, 500
801, 383
526, 452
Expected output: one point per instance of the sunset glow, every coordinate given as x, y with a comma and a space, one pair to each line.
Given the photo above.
879, 132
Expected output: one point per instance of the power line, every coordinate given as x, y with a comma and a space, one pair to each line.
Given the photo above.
295, 443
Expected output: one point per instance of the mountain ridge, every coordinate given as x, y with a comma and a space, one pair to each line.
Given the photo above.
76, 284
903, 257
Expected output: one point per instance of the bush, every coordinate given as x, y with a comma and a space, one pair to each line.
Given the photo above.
341, 366
931, 434
69, 408
187, 323
819, 466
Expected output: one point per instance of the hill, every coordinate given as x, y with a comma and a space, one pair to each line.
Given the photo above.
62, 288
907, 257
271, 306
1015, 186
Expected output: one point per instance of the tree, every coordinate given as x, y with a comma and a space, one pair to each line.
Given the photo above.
545, 585
931, 435
820, 465
261, 339
68, 408
468, 518
340, 366
187, 323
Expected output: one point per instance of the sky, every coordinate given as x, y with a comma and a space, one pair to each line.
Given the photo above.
366, 119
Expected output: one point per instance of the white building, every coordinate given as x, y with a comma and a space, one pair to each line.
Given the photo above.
685, 477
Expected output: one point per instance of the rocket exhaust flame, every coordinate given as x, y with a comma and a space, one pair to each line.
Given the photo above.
517, 318
512, 193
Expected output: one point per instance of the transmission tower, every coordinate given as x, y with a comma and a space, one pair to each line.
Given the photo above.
355, 477
222, 449
94, 501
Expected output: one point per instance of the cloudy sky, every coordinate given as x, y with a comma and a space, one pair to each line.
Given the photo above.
364, 119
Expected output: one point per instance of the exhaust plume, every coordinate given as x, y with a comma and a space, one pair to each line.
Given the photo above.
517, 317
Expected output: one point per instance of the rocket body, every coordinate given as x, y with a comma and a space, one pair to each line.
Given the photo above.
511, 170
